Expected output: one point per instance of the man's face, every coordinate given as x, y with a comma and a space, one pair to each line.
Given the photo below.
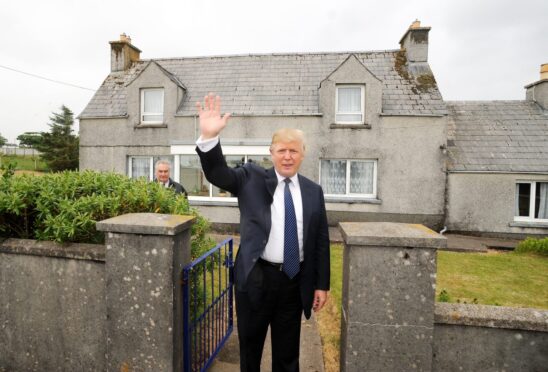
287, 157
162, 172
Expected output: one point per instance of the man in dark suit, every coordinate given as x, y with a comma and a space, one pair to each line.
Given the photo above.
162, 170
282, 266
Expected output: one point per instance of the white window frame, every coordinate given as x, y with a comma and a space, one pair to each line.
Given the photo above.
238, 150
348, 194
174, 163
531, 217
130, 163
362, 104
143, 113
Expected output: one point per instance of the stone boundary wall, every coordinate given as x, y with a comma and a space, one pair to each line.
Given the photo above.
489, 338
52, 306
390, 321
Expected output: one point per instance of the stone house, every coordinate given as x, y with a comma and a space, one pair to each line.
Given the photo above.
498, 164
375, 122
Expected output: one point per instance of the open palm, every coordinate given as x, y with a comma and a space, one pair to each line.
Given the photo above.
211, 122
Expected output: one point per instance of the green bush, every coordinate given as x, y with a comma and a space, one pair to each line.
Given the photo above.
531, 245
64, 207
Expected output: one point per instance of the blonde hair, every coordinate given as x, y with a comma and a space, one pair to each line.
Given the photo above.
288, 135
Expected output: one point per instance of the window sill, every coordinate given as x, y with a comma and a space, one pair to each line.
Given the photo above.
349, 126
231, 202
351, 200
540, 225
146, 125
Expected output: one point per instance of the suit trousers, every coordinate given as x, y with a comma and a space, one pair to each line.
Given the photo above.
271, 298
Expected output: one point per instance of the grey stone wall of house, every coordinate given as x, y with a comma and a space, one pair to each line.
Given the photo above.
52, 307
407, 148
471, 207
389, 277
489, 338
83, 307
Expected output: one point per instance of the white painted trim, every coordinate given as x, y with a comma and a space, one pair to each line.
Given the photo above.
362, 102
143, 113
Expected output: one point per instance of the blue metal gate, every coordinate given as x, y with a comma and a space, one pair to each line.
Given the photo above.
207, 306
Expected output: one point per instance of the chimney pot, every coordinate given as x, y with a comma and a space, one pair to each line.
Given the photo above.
538, 91
415, 24
544, 71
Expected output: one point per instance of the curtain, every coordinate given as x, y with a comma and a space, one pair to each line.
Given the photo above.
154, 101
543, 200
349, 100
361, 177
140, 167
333, 179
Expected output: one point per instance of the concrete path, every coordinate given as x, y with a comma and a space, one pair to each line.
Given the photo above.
311, 356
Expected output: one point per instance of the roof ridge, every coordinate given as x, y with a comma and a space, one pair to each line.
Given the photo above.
272, 54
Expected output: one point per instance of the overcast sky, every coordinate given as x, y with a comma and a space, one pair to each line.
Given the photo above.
478, 50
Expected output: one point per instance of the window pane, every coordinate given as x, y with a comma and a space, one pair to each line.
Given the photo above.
523, 194
154, 101
153, 117
140, 167
348, 117
191, 176
333, 179
261, 160
361, 177
541, 200
349, 99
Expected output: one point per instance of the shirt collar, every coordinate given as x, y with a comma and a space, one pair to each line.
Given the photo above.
294, 179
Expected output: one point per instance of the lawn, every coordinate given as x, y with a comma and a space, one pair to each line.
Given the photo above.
26, 163
494, 278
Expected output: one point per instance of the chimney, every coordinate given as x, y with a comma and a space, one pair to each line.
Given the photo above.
538, 91
415, 42
122, 54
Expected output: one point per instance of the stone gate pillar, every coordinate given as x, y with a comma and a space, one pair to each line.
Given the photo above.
389, 279
145, 254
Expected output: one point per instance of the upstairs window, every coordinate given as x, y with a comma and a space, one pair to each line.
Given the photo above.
531, 201
350, 105
152, 106
340, 177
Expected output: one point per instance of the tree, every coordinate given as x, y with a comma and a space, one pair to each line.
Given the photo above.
59, 147
3, 140
30, 139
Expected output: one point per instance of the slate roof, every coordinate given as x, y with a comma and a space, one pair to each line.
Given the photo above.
498, 136
275, 84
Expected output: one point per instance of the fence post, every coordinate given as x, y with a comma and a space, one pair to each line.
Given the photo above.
389, 278
145, 254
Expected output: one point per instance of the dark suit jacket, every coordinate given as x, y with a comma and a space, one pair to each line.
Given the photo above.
254, 186
177, 187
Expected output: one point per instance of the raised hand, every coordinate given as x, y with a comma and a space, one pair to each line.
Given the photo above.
211, 122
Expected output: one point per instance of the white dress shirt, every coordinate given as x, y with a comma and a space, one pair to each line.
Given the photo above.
274, 250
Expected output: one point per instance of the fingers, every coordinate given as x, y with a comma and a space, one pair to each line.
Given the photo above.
199, 107
320, 298
225, 118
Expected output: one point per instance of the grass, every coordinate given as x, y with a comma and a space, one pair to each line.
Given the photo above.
329, 318
494, 278
24, 163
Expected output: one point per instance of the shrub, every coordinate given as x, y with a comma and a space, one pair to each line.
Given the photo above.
538, 246
65, 206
